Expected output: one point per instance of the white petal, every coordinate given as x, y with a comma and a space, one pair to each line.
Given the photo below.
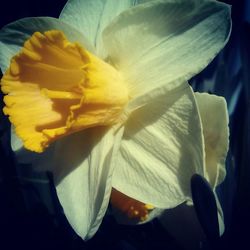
166, 42
82, 164
161, 149
91, 17
83, 169
220, 215
15, 141
214, 117
13, 35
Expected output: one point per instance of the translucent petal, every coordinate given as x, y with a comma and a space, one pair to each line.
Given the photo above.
13, 35
166, 42
220, 215
83, 167
214, 117
91, 17
161, 149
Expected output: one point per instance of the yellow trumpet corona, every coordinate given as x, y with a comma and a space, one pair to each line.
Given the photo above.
54, 88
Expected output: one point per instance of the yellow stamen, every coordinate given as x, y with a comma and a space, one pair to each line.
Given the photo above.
53, 94
54, 87
131, 208
149, 207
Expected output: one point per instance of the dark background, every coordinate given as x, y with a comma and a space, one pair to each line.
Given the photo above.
30, 215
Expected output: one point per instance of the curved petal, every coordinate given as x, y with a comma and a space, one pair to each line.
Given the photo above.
84, 191
13, 35
220, 215
91, 17
166, 42
82, 164
161, 149
214, 117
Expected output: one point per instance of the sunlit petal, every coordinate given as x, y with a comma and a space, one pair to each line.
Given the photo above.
133, 123
214, 116
166, 42
161, 149
83, 169
91, 17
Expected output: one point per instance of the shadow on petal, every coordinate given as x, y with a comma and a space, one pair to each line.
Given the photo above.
71, 151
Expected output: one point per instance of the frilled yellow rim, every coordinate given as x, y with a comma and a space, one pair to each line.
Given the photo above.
54, 88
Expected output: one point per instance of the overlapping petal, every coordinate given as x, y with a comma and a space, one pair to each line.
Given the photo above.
13, 35
161, 149
166, 42
83, 167
214, 117
157, 47
91, 17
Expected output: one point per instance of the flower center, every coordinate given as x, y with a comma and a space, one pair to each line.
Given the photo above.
55, 88
134, 210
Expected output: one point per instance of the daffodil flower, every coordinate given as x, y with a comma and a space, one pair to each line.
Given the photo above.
104, 89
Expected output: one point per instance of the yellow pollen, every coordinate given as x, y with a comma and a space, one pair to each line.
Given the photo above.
136, 212
149, 207
54, 88
131, 208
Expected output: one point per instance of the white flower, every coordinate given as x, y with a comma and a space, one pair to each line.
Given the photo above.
156, 143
